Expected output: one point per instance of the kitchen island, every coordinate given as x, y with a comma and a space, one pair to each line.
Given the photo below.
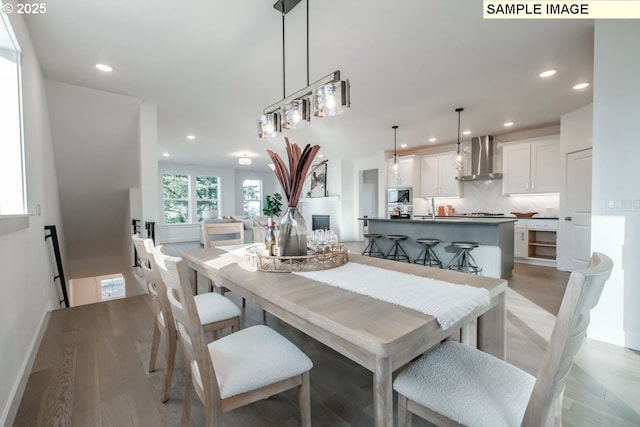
494, 235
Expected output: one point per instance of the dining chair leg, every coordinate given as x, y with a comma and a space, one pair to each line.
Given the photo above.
186, 403
169, 363
155, 343
404, 416
304, 398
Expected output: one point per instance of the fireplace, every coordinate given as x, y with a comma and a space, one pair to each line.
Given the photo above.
320, 222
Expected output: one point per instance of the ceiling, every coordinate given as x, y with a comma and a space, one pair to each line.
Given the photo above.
212, 66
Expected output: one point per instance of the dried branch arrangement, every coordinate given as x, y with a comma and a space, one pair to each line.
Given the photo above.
293, 178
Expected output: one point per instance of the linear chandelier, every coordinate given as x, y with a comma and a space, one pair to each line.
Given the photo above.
326, 97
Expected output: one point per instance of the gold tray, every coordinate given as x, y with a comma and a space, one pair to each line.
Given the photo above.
256, 258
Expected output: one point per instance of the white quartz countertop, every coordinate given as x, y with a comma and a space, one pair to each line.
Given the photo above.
451, 220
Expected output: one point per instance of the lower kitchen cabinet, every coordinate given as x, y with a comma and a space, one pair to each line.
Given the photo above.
535, 241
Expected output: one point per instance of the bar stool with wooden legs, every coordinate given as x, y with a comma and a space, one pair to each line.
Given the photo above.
428, 257
464, 261
372, 248
397, 252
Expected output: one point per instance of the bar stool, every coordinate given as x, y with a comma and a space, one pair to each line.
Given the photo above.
372, 248
463, 261
428, 256
396, 252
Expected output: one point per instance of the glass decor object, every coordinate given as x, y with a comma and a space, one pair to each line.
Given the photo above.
332, 99
293, 233
269, 125
297, 114
292, 175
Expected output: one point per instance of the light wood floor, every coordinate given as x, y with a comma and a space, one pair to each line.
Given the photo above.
91, 369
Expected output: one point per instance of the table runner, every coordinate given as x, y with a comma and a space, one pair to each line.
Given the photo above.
445, 301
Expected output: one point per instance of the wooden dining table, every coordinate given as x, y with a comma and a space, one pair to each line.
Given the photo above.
379, 336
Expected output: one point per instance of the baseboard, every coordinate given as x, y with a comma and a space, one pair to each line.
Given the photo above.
632, 340
11, 410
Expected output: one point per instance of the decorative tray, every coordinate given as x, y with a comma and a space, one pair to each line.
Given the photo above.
256, 258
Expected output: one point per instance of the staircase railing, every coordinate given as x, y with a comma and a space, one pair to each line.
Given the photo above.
150, 231
53, 235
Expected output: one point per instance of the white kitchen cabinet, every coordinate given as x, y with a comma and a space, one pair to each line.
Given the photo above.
534, 241
438, 176
520, 239
408, 173
531, 166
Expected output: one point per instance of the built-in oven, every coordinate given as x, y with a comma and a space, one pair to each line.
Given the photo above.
397, 196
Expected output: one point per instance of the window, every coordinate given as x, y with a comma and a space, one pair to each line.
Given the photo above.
207, 194
252, 197
185, 197
12, 182
112, 287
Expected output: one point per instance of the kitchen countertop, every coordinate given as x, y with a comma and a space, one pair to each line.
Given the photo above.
451, 220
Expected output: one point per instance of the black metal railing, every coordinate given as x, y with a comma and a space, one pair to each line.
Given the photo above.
53, 235
150, 231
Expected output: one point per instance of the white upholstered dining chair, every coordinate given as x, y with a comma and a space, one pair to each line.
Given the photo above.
215, 313
222, 234
238, 369
456, 384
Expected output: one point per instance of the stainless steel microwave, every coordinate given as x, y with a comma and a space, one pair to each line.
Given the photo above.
400, 195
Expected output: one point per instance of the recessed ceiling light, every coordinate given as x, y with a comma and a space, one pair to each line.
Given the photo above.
466, 132
320, 155
548, 73
432, 140
581, 86
403, 145
165, 154
191, 137
508, 124
104, 67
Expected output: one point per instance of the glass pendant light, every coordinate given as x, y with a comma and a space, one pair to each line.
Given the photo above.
332, 99
459, 160
395, 154
297, 114
269, 125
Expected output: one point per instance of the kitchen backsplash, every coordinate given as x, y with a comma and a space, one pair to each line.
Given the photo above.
486, 196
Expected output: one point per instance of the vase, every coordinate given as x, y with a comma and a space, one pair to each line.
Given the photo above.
293, 233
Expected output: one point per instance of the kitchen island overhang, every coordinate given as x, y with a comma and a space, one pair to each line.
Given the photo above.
494, 235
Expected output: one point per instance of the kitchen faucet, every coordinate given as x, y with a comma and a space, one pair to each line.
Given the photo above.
433, 210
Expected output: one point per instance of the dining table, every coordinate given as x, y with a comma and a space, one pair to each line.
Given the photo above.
378, 335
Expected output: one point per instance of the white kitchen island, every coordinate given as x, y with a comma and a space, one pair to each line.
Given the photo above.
494, 235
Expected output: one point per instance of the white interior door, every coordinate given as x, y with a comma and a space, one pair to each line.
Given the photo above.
576, 247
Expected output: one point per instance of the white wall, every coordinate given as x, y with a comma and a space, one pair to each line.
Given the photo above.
26, 274
616, 231
230, 196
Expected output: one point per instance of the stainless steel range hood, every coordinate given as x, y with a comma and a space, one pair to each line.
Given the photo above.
481, 160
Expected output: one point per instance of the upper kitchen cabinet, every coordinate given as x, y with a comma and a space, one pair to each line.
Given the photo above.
531, 166
438, 176
408, 173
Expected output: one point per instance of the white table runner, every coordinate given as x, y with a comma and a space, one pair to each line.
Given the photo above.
445, 301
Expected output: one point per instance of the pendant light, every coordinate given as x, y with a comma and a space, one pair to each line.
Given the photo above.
326, 97
395, 153
459, 164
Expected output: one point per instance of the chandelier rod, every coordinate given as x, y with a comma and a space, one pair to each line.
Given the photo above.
284, 82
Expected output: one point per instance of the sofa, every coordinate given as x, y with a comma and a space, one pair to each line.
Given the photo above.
254, 228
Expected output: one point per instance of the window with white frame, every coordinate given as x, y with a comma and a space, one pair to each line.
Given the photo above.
186, 196
252, 197
12, 182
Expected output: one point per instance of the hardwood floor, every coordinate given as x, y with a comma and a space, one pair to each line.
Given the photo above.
91, 369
